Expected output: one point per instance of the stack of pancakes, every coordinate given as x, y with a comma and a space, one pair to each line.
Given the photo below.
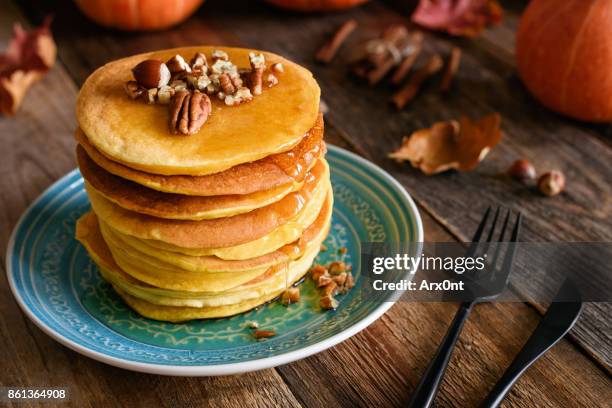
211, 224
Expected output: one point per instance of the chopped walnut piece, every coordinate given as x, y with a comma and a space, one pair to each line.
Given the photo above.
199, 82
219, 55
342, 250
264, 334
278, 67
198, 62
291, 295
350, 281
323, 247
251, 324
317, 271
151, 96
133, 90
337, 267
271, 80
258, 65
242, 95
324, 280
178, 85
328, 302
165, 94
331, 289
177, 64
340, 279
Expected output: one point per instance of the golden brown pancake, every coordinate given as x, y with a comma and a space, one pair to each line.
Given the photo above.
137, 135
176, 304
270, 172
135, 197
221, 305
276, 239
220, 232
207, 264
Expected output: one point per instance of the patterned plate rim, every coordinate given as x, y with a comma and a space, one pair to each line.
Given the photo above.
220, 369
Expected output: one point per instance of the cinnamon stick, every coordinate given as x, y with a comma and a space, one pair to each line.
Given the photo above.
404, 68
413, 85
328, 51
394, 37
451, 68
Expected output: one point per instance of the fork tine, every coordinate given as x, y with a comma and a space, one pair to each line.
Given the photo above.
507, 265
490, 237
501, 239
476, 238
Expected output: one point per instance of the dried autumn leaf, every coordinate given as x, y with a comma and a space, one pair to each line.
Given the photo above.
28, 57
450, 145
458, 17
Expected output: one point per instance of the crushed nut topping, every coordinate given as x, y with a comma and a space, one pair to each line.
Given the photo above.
291, 295
177, 64
219, 55
333, 279
264, 334
186, 87
189, 111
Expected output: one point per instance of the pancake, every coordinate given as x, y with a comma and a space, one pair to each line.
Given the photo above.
137, 135
268, 285
135, 197
212, 264
293, 273
271, 242
270, 172
220, 232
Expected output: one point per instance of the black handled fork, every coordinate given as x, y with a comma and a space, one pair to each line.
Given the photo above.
426, 391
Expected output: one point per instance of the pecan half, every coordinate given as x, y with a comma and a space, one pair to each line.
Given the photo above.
188, 112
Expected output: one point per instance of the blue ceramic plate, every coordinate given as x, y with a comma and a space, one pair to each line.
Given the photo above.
59, 288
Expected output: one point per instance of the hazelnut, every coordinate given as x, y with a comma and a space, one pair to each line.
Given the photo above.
177, 64
551, 183
522, 170
151, 74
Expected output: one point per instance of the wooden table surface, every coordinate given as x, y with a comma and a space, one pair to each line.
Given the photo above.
382, 365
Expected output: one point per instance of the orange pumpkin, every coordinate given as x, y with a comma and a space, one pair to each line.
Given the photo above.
136, 15
564, 55
316, 5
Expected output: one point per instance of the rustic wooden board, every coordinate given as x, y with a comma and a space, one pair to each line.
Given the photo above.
378, 367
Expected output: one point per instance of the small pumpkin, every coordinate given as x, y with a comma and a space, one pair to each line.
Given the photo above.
564, 55
138, 15
316, 5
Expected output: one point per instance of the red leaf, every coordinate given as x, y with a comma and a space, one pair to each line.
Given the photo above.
28, 57
458, 17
